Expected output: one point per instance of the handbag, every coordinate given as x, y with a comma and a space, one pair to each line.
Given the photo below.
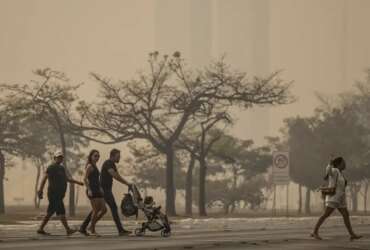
128, 207
329, 190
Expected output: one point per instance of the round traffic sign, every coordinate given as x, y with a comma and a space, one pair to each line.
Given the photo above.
281, 161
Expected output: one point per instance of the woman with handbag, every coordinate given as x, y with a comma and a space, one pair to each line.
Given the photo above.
335, 197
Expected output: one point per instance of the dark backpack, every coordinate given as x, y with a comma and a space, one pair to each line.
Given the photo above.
128, 207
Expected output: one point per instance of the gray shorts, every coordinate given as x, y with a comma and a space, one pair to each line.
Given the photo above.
334, 204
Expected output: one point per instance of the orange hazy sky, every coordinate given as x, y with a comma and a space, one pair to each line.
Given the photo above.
323, 46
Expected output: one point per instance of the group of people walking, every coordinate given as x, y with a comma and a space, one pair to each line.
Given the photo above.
98, 190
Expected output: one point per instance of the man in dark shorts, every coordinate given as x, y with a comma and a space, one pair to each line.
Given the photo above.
57, 177
108, 172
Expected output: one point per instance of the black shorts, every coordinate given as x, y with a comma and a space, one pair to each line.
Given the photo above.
95, 194
56, 204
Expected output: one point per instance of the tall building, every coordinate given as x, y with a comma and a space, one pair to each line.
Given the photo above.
243, 36
172, 27
208, 29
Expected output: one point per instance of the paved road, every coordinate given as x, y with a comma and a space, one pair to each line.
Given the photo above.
230, 234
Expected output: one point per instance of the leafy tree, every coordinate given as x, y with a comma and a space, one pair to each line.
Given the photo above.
240, 164
331, 132
50, 99
304, 163
147, 165
16, 138
199, 145
250, 192
352, 145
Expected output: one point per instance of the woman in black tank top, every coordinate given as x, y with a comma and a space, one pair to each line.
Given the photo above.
94, 183
94, 191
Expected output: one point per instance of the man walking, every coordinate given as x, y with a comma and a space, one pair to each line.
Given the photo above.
57, 177
108, 172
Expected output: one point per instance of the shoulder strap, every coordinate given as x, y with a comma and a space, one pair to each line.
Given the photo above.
345, 179
336, 179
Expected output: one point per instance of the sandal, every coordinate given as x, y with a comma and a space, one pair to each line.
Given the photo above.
83, 232
42, 232
315, 236
355, 237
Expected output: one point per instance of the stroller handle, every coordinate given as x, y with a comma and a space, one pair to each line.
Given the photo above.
135, 192
132, 187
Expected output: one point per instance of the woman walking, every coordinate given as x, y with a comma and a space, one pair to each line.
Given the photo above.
94, 191
336, 197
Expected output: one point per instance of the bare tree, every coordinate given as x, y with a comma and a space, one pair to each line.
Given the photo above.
158, 106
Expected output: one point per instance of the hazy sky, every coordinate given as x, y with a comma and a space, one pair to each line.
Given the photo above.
322, 45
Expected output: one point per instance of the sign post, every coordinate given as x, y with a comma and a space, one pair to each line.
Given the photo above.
280, 172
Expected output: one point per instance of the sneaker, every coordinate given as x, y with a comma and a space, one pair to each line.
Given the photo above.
95, 234
42, 232
124, 233
71, 231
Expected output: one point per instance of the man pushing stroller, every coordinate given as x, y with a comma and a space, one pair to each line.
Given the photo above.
108, 173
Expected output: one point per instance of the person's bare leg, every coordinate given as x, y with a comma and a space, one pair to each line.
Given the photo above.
100, 211
64, 221
94, 215
347, 222
44, 222
328, 211
103, 209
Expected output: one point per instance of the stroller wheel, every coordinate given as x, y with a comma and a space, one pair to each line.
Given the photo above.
165, 233
139, 232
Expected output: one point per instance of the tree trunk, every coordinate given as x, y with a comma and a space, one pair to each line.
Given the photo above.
189, 187
77, 195
72, 208
274, 201
202, 187
170, 185
235, 184
233, 205
299, 199
308, 201
36, 200
235, 177
354, 197
226, 208
72, 205
365, 196
2, 176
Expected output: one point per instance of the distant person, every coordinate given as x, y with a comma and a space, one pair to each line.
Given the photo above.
108, 172
337, 199
57, 177
94, 191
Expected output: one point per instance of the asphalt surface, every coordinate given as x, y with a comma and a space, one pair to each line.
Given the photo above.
277, 233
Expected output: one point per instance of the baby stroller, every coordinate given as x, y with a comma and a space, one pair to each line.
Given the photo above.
156, 220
